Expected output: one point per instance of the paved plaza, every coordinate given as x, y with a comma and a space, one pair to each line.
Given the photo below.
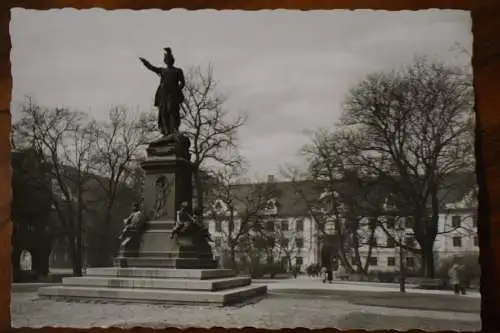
291, 303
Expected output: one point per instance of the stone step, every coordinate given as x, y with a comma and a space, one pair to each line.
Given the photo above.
160, 225
159, 262
181, 284
161, 273
196, 255
155, 296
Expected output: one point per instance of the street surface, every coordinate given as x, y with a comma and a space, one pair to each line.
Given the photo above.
302, 302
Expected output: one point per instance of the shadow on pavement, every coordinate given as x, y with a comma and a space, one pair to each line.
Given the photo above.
368, 321
449, 303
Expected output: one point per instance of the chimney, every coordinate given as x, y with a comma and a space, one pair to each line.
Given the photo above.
270, 179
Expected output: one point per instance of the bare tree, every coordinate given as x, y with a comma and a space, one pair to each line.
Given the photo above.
348, 198
120, 143
413, 129
238, 209
64, 142
209, 127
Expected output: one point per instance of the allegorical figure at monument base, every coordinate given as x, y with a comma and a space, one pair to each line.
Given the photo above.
168, 96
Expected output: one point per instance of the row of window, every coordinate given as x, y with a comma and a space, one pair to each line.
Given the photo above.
457, 241
391, 261
456, 222
271, 225
285, 242
410, 242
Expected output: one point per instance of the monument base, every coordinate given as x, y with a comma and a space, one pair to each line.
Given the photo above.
157, 286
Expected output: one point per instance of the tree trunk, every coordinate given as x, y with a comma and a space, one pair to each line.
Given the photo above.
428, 259
232, 253
76, 256
199, 191
429, 237
370, 250
108, 240
402, 270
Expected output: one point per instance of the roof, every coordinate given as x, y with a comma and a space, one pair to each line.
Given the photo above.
290, 195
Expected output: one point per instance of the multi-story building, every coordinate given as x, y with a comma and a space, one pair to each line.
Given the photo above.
289, 215
456, 236
284, 218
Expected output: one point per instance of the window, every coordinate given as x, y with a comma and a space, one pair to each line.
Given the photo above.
372, 261
284, 261
457, 241
299, 261
270, 242
456, 221
299, 225
284, 242
218, 206
284, 225
218, 226
391, 222
391, 243
353, 260
391, 261
299, 242
474, 218
270, 226
409, 223
271, 204
410, 242
476, 241
410, 262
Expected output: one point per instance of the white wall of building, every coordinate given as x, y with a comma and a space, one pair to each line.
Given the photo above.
307, 252
457, 236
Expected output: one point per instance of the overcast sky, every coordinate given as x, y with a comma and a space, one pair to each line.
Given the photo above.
288, 69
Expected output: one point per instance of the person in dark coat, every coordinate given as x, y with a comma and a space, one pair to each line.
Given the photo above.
326, 259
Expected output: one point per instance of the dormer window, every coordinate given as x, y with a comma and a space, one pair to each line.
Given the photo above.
272, 206
219, 206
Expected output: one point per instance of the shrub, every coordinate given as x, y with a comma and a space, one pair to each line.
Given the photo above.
313, 269
387, 277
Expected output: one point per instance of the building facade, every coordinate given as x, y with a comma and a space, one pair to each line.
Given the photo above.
289, 217
456, 237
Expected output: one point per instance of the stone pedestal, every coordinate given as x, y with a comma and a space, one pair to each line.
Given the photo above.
168, 183
155, 267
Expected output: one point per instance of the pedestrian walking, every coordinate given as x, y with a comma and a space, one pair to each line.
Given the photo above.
462, 279
454, 279
324, 273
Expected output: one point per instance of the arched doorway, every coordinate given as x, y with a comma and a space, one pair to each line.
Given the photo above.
26, 261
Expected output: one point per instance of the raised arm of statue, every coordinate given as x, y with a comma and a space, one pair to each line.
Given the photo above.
152, 68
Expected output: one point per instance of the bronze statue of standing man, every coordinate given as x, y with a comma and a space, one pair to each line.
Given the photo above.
169, 96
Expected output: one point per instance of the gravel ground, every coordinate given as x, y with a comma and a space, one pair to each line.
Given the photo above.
272, 312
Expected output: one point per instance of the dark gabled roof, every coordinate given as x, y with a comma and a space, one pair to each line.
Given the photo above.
287, 194
293, 197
